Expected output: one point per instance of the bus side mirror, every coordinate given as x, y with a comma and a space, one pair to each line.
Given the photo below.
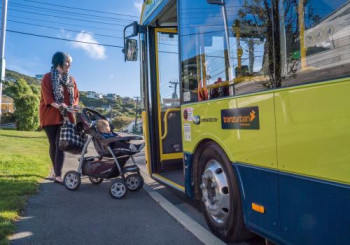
130, 45
130, 50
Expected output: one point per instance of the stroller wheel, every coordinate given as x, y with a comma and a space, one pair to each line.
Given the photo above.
95, 180
118, 189
72, 180
134, 182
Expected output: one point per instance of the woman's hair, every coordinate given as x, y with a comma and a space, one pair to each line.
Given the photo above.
59, 58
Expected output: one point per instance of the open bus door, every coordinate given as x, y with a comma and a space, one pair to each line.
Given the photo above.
161, 95
168, 167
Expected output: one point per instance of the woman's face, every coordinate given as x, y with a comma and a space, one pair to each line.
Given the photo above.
66, 66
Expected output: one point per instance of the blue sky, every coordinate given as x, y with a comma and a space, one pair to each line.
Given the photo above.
96, 68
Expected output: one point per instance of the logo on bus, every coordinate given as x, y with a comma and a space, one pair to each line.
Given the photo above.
240, 118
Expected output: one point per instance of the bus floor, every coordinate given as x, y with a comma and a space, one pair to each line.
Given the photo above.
176, 176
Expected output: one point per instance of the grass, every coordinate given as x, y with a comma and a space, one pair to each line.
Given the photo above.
24, 161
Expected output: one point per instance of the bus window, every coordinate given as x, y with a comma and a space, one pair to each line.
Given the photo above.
210, 68
315, 40
202, 49
250, 24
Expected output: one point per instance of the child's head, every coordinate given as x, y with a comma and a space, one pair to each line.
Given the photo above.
103, 126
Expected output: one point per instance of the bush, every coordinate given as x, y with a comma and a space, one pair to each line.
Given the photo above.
122, 121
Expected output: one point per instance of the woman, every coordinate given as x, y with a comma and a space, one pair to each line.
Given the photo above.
58, 91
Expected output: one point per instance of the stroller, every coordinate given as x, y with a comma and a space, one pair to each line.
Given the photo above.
110, 162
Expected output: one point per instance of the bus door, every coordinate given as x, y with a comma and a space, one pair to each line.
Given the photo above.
168, 105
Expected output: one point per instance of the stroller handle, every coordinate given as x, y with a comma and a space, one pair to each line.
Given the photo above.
70, 109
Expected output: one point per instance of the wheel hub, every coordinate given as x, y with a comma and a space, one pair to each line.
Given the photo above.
71, 180
216, 196
118, 189
132, 183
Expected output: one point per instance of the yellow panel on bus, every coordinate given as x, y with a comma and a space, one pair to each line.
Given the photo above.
227, 122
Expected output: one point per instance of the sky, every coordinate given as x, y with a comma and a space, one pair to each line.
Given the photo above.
95, 68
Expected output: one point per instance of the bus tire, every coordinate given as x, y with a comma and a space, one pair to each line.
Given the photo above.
220, 195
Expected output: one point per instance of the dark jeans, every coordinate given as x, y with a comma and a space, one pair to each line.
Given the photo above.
56, 155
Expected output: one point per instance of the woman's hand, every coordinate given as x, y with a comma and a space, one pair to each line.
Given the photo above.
59, 106
76, 108
62, 106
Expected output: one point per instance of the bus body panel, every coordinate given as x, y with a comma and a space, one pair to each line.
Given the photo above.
313, 130
253, 146
260, 186
314, 211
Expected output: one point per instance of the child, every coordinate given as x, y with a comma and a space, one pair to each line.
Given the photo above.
104, 129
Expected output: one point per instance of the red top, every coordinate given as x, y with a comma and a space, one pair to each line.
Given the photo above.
48, 114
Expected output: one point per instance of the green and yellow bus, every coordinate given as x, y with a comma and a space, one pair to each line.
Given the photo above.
247, 109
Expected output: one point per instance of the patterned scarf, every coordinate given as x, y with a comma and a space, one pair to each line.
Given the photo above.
58, 82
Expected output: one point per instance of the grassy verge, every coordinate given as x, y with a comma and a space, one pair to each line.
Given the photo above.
24, 161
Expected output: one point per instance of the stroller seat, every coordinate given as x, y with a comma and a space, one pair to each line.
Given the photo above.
101, 145
86, 120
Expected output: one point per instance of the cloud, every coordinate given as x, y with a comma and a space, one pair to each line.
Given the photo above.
64, 34
94, 51
138, 5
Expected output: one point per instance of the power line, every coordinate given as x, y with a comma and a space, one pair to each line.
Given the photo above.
84, 9
55, 28
69, 18
55, 22
69, 12
63, 39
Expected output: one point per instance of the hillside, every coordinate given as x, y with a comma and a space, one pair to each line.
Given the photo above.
121, 110
12, 76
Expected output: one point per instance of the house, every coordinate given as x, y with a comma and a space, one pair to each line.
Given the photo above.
111, 97
39, 76
128, 100
93, 95
7, 105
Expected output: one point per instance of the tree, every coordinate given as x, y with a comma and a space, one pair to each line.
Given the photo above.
26, 100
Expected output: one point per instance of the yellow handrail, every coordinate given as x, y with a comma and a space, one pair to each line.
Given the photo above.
166, 121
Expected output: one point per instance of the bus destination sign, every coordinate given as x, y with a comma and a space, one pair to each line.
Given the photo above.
240, 118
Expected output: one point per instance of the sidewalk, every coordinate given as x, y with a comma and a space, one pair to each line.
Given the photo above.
90, 216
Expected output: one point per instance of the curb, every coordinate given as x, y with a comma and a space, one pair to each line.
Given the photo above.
202, 234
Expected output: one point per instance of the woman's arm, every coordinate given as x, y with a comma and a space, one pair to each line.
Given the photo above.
76, 94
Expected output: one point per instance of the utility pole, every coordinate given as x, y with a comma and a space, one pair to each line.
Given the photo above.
2, 54
111, 113
174, 85
137, 110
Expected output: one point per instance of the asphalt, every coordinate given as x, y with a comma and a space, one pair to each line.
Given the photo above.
90, 216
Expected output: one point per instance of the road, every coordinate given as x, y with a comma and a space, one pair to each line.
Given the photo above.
154, 215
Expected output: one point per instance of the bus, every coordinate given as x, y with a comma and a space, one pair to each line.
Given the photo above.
247, 109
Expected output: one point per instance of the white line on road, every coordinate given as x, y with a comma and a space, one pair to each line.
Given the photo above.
196, 229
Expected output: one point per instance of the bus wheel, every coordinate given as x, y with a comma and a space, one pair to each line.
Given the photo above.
221, 201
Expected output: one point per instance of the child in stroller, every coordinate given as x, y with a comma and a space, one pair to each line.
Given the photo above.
105, 130
113, 152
